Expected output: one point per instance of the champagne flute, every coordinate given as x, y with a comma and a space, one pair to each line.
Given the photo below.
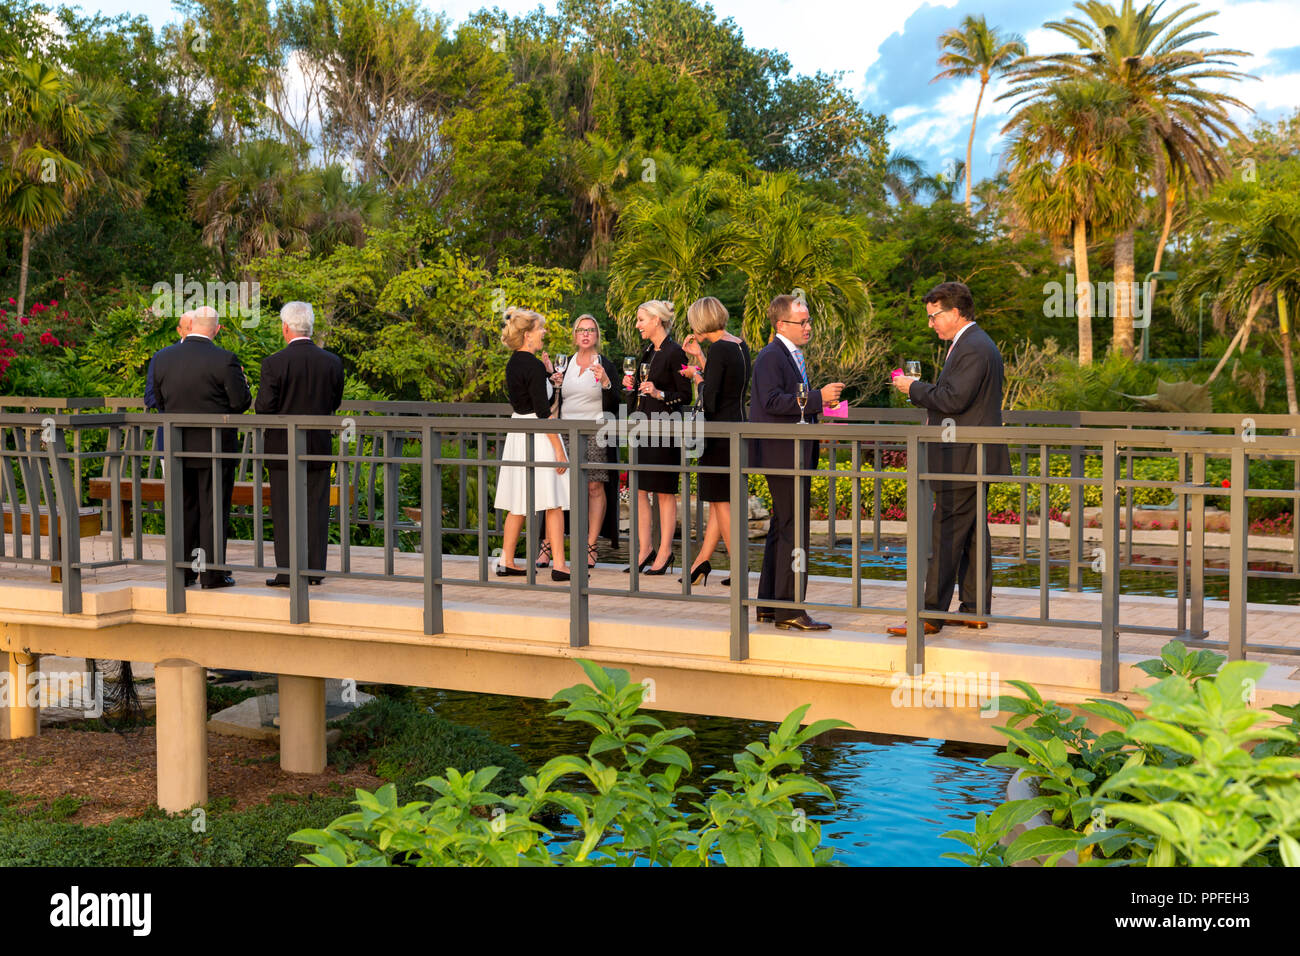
645, 371
801, 396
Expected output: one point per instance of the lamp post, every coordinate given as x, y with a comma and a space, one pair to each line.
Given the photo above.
1146, 310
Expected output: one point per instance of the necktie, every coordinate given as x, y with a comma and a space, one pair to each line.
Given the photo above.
803, 369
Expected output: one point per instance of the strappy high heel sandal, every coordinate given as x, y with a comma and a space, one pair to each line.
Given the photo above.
544, 555
592, 555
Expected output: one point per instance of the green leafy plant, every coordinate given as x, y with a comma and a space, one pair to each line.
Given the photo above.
1197, 782
626, 798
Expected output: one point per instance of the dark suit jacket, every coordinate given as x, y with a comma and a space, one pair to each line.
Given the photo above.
196, 376
300, 379
969, 392
772, 399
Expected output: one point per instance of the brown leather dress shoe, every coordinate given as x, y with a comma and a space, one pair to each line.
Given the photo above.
802, 623
766, 617
977, 625
900, 630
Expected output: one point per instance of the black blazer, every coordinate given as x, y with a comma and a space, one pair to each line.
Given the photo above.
300, 379
196, 376
772, 398
969, 392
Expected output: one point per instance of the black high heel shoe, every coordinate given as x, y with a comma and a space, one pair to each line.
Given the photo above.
642, 566
702, 570
664, 570
559, 575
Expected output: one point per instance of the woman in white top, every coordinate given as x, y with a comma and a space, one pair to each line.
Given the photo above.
587, 391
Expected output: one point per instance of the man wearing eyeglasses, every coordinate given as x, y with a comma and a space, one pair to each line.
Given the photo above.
779, 370
968, 392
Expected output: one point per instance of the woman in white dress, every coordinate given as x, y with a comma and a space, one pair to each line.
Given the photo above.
530, 397
586, 392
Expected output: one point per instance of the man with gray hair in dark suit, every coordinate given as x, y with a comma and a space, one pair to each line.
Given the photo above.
300, 379
968, 392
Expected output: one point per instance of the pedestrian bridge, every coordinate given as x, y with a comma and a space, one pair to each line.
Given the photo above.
400, 605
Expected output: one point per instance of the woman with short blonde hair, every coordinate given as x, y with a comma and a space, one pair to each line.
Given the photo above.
587, 391
723, 378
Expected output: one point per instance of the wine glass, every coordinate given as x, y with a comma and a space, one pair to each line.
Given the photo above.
561, 362
629, 365
801, 396
645, 371
912, 369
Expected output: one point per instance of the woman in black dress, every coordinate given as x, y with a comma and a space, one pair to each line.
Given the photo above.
723, 380
663, 391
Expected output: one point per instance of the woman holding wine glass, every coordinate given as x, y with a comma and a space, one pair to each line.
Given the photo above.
586, 386
660, 388
723, 376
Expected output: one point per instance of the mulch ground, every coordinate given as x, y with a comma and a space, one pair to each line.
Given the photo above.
116, 775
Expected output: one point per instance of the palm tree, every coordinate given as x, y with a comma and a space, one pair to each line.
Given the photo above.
341, 210
1075, 146
252, 200
1185, 123
598, 165
669, 248
976, 49
792, 241
902, 172
60, 136
1254, 237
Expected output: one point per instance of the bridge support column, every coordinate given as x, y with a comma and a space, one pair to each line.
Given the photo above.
182, 692
302, 724
17, 719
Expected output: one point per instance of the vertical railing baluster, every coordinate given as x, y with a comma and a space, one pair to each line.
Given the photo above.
1238, 558
431, 540
1109, 569
739, 558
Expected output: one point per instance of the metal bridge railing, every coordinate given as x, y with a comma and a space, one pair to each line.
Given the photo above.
420, 479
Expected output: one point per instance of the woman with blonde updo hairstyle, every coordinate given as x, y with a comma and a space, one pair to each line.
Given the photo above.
662, 393
530, 397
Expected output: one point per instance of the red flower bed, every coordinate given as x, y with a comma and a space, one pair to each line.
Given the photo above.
15, 343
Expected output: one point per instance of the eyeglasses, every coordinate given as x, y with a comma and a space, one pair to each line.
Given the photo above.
807, 323
585, 331
935, 315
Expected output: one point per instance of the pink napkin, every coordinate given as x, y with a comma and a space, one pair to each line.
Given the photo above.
839, 411
897, 372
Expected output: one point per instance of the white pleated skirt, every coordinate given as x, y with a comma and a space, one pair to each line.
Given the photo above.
550, 490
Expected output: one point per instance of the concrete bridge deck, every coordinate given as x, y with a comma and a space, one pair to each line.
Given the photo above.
509, 640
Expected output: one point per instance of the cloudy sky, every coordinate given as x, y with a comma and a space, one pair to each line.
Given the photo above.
887, 49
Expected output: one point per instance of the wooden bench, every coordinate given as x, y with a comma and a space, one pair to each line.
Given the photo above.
89, 525
155, 489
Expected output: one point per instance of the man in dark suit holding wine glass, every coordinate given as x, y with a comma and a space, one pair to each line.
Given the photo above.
968, 392
779, 371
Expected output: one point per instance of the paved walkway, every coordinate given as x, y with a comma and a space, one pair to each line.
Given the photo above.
1267, 624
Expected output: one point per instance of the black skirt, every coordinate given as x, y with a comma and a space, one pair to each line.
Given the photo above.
660, 482
717, 451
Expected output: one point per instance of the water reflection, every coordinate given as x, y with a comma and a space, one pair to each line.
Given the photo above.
894, 795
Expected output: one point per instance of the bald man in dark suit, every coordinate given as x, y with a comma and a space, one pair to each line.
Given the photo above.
196, 376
